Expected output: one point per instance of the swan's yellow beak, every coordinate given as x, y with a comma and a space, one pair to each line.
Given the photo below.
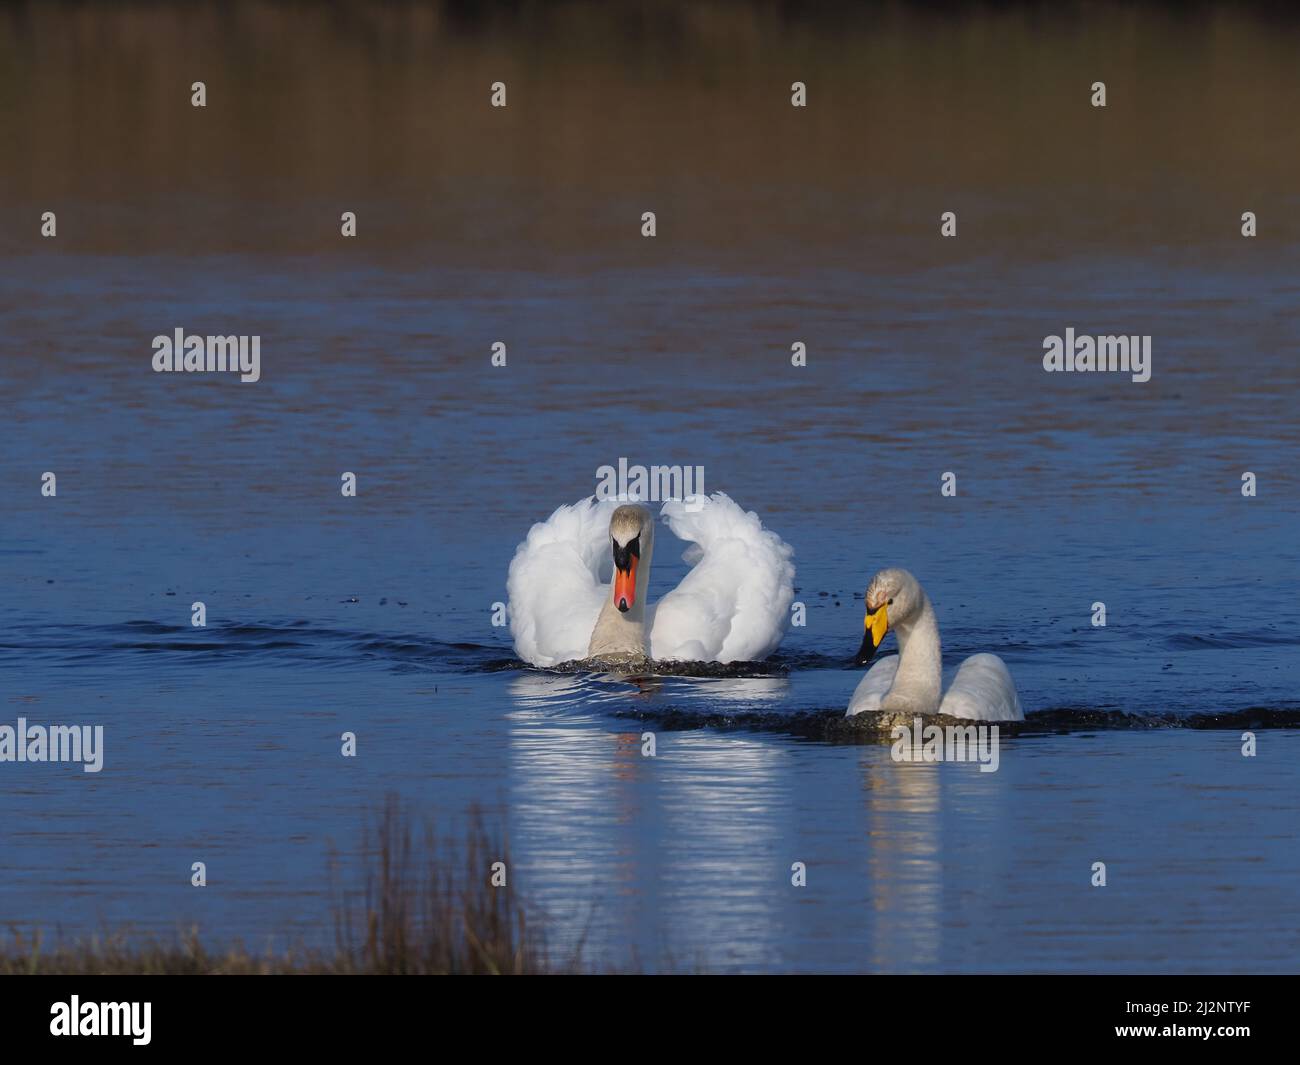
875, 625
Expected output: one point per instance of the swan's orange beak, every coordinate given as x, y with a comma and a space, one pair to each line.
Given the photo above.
625, 586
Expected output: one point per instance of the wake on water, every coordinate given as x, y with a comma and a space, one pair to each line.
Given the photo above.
300, 640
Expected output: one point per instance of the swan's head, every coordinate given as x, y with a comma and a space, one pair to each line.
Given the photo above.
630, 529
894, 597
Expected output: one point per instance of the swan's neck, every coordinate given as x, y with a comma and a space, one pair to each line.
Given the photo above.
918, 684
619, 634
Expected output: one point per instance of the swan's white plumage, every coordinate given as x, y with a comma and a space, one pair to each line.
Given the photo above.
912, 680
554, 585
732, 606
872, 688
982, 690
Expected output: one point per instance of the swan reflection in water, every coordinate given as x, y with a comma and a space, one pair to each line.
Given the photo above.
611, 842
696, 844
539, 690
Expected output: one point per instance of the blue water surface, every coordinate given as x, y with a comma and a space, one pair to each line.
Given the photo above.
374, 614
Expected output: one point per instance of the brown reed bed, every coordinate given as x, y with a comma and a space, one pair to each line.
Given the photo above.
423, 904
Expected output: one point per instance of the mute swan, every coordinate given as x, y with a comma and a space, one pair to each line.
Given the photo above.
577, 585
910, 682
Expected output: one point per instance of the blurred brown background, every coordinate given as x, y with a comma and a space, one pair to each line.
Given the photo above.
618, 108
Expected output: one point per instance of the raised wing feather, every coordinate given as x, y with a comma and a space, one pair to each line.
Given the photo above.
733, 606
556, 583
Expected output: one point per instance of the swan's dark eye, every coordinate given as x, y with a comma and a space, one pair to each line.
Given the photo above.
890, 603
